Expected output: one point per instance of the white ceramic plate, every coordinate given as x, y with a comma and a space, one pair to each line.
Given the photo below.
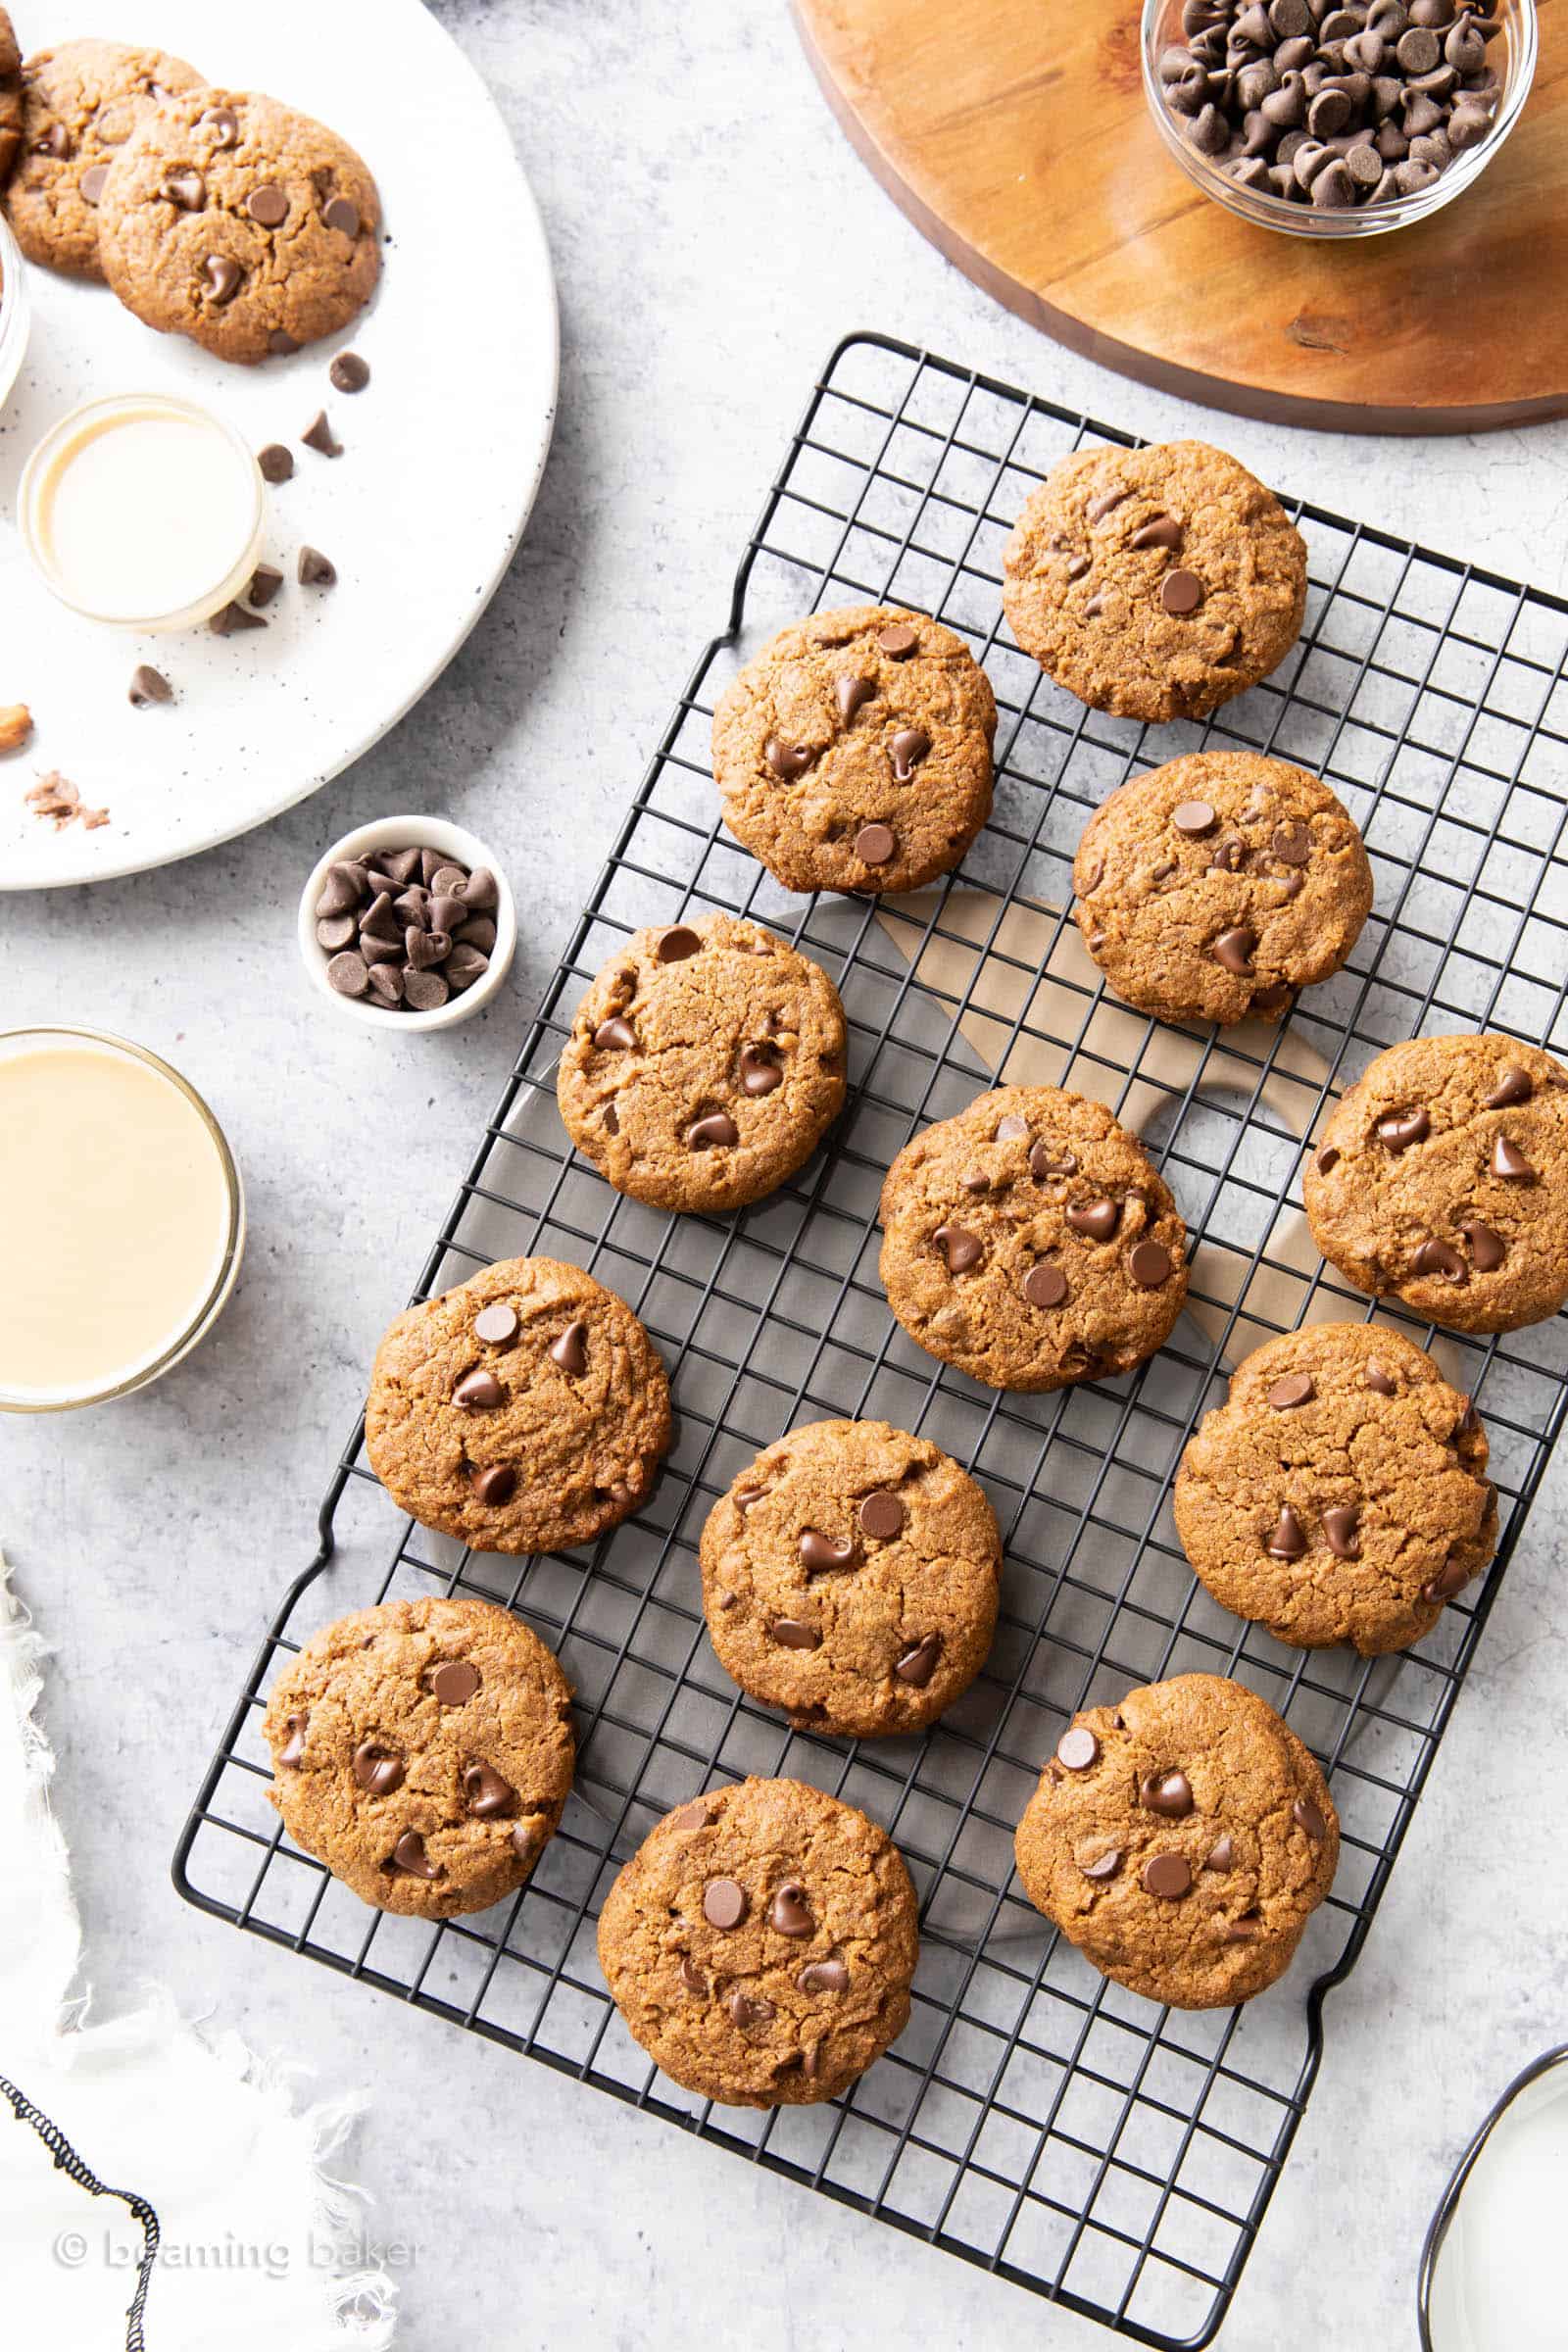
442, 455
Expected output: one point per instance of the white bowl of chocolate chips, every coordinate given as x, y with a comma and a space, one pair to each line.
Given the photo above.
408, 923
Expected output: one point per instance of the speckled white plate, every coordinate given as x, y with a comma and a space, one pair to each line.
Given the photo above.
442, 455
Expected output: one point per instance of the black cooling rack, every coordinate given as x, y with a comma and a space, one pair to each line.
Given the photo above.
1040, 2123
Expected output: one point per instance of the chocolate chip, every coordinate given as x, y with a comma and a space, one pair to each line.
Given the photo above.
1229, 855
316, 570
231, 621
1450, 1579
347, 974
1340, 1524
1508, 1159
881, 1515
1045, 1162
1401, 1129
386, 983
919, 1664
964, 1249
748, 2009
1291, 842
377, 1768
1045, 1285
91, 183
149, 685
725, 1904
1104, 1866
222, 125
570, 1350
1233, 948
1327, 1159
348, 371
906, 750
789, 1913
787, 759
1166, 1875
1078, 1749
1307, 1816
747, 1498
674, 945
897, 640
691, 1976
344, 216
480, 889
716, 1131
186, 189
1376, 1378
1012, 1129
1294, 1389
454, 1682
793, 1633
1193, 817
409, 1857
1097, 1219
334, 932
1243, 1930
281, 342
1513, 1085
1288, 1540
820, 1555
615, 1036
875, 845
56, 142
294, 1749
1221, 1855
318, 435
494, 1485
1486, 1249
478, 1392
275, 461
1273, 999
1167, 1792
1181, 593
976, 1181
485, 1792
1149, 1265
268, 206
1469, 1422
824, 1975
1077, 566
759, 1069
1436, 1257
849, 692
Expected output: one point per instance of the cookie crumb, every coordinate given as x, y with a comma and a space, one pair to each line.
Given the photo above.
53, 795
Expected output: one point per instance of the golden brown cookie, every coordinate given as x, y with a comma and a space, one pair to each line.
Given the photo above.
853, 752
760, 1944
1442, 1179
1340, 1493
80, 103
13, 109
230, 219
526, 1410
1030, 1241
1218, 886
850, 1576
1181, 1840
704, 1065
1155, 582
423, 1751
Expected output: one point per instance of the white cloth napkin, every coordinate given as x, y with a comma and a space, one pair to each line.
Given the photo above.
215, 2225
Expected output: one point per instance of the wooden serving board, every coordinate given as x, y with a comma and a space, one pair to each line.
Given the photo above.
1016, 135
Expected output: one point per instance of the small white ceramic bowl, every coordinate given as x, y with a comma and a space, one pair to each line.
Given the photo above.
16, 309
400, 833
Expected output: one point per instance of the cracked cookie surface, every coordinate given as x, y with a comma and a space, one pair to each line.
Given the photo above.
705, 1065
423, 1751
1442, 1179
854, 751
1339, 1494
1030, 1241
850, 1577
526, 1410
231, 219
760, 1944
81, 101
1155, 583
1181, 1840
1216, 887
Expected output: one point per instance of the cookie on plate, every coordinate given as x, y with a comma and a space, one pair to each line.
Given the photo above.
230, 219
850, 1576
526, 1410
1181, 1840
1218, 886
423, 1751
854, 751
1155, 583
1340, 1493
704, 1065
1442, 1179
1030, 1241
761, 1944
80, 103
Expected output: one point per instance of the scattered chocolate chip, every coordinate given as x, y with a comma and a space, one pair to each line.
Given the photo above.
725, 1904
1043, 1165
268, 206
615, 1036
1436, 1257
344, 216
1288, 1540
409, 1856
1294, 1389
316, 570
787, 759
1166, 1875
1452, 1578
230, 620
790, 1913
691, 1976
1104, 1866
962, 1249
1243, 1930
1045, 1285
1012, 1129
570, 1350
760, 1071
1341, 1523
1181, 593
525, 1841
1273, 999
280, 343
1401, 1129
275, 461
1307, 1816
377, 1768
222, 125
716, 1131
1221, 1855
1167, 1792
1513, 1085
1194, 819
1078, 1749
149, 685
748, 2009
1162, 531
1327, 1159
824, 1975
1508, 1160
265, 581
897, 640
91, 183
747, 1498
294, 1748
919, 1664
881, 1516
186, 189
494, 1485
1096, 1219
1233, 948
1291, 842
976, 1181
478, 1392
849, 692
793, 1633
908, 748
318, 435
348, 371
1486, 1249
1077, 566
485, 1792
675, 945
1149, 1265
454, 1682
820, 1555
875, 845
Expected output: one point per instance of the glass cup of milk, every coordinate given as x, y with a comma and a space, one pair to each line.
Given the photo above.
143, 511
1491, 2269
122, 1218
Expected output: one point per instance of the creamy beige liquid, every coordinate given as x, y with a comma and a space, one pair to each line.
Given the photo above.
114, 1218
144, 509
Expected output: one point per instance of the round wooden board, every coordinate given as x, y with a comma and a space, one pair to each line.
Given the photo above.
1016, 135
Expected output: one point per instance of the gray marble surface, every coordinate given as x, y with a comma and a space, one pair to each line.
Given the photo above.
714, 236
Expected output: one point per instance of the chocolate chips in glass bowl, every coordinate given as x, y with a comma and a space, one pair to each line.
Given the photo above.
407, 928
1335, 107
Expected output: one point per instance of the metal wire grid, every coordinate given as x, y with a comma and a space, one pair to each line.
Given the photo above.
1034, 2118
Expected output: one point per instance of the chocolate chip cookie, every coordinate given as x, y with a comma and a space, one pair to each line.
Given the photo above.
423, 1751
853, 754
761, 1944
1181, 1840
1155, 583
1030, 1241
81, 101
1340, 1493
525, 1411
12, 104
703, 1064
850, 1576
230, 219
1218, 886
1442, 1179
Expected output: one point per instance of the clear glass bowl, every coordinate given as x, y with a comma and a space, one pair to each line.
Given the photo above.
1513, 53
